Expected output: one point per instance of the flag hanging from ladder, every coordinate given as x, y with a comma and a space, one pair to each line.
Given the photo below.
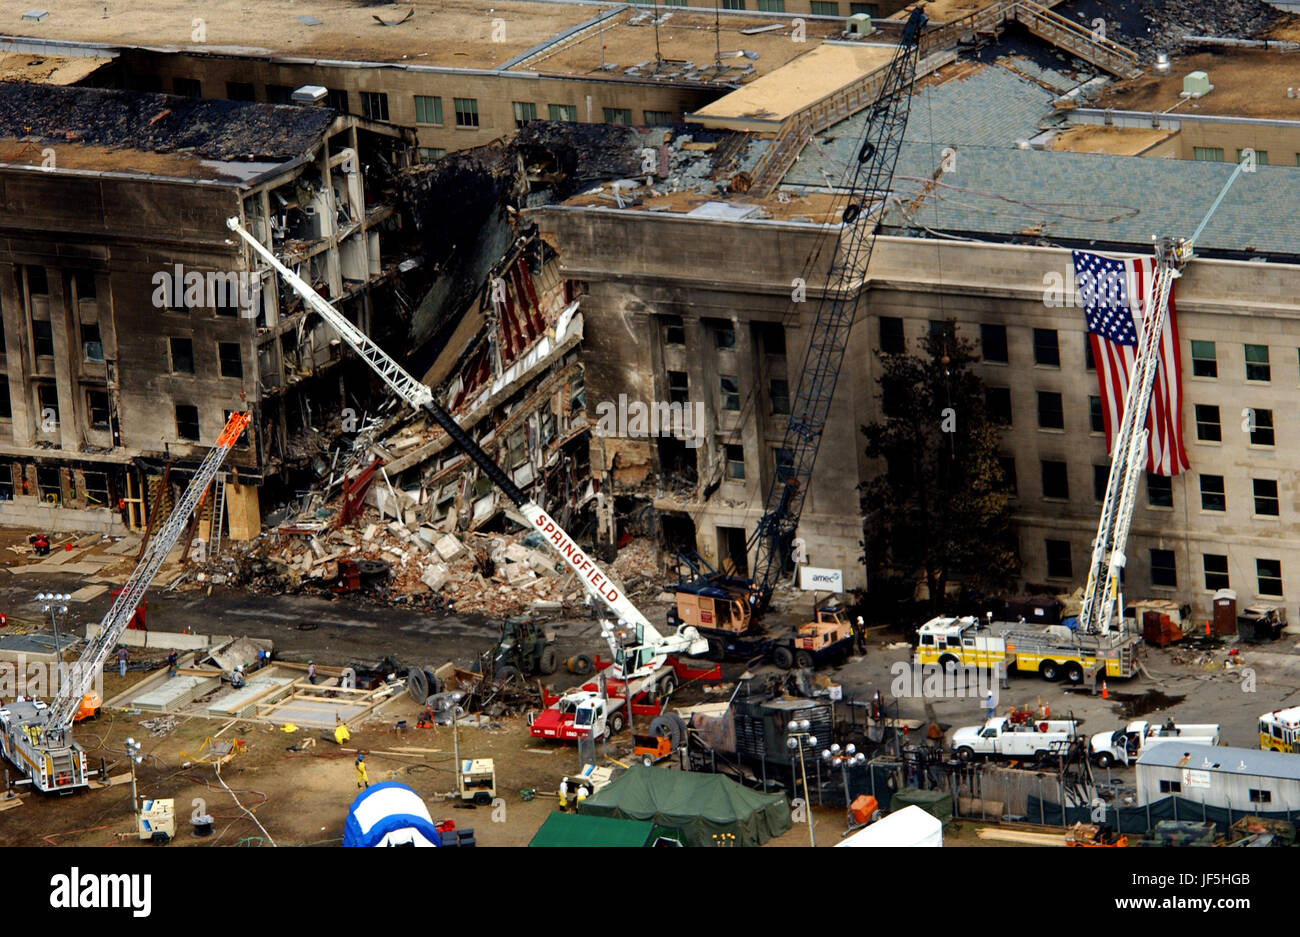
1116, 294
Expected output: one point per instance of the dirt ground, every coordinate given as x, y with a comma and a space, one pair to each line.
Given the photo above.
1117, 141
1246, 84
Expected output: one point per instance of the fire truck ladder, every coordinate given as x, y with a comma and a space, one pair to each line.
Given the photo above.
872, 175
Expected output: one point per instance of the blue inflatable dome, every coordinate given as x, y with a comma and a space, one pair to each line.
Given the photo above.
389, 814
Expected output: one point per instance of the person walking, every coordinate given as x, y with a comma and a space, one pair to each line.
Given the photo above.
363, 780
311, 673
171, 665
989, 706
121, 661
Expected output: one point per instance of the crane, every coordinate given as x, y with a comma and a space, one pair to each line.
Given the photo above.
1102, 594
36, 736
649, 654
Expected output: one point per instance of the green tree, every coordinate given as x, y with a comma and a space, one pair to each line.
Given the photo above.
938, 510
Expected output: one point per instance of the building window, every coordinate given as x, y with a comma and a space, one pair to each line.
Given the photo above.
1261, 157
1260, 797
771, 6
1056, 482
1008, 465
1210, 154
374, 105
1216, 571
1204, 362
187, 422
993, 343
1257, 368
1058, 559
823, 8
431, 154
1051, 411
1261, 423
997, 405
1160, 491
92, 347
230, 359
657, 118
428, 110
1171, 787
1046, 350
188, 87
891, 335
724, 335
240, 91
783, 462
524, 112
735, 461
6, 483
773, 337
48, 485
95, 488
1266, 500
943, 330
279, 94
567, 112
6, 409
1269, 574
1089, 362
740, 5
182, 350
1096, 419
466, 112
97, 408
678, 387
1213, 496
1100, 479
337, 100
674, 331
1207, 423
42, 338
779, 392
870, 9
618, 115
730, 393
1164, 572
47, 399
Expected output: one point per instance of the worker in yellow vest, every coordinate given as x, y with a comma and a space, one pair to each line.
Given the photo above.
363, 779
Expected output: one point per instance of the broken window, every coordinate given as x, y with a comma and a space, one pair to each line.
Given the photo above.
6, 410
92, 348
428, 110
97, 408
724, 335
38, 283
374, 105
242, 441
431, 154
783, 462
779, 391
618, 115
567, 112
182, 350
735, 461
524, 112
83, 281
338, 100
47, 485
231, 361
773, 337
466, 112
6, 482
546, 425
95, 488
240, 91
658, 118
577, 394
730, 392
188, 87
42, 338
677, 461
517, 447
47, 398
279, 94
674, 331
187, 422
679, 387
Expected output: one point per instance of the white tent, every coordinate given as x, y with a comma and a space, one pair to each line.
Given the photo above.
389, 814
910, 826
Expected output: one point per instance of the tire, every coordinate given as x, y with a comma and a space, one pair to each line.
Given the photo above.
417, 685
1104, 760
803, 660
647, 760
547, 661
948, 663
1073, 673
717, 649
671, 727
667, 685
783, 657
506, 672
483, 798
614, 724
966, 754
1041, 755
580, 664
1050, 671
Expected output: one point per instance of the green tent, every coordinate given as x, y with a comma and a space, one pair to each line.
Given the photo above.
571, 829
937, 804
699, 805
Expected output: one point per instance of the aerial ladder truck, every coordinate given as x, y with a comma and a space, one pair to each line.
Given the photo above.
647, 666
727, 609
37, 736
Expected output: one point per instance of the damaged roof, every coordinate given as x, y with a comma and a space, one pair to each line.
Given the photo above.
225, 131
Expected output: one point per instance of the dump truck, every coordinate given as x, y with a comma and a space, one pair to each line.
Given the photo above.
1001, 738
1124, 745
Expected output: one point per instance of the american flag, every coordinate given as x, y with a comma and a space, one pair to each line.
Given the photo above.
1116, 294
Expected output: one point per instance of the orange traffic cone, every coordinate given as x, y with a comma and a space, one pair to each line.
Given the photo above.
1207, 628
1105, 691
1047, 711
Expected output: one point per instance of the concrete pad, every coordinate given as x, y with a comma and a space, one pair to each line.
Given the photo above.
315, 715
244, 702
175, 693
86, 593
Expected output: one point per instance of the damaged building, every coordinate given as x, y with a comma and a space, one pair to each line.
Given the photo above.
133, 324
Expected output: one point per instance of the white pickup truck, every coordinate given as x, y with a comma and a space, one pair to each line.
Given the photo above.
1124, 745
1001, 738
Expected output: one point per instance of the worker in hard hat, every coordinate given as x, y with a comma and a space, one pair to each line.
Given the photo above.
564, 793
237, 680
363, 780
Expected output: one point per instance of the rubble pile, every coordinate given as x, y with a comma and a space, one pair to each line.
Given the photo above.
1152, 26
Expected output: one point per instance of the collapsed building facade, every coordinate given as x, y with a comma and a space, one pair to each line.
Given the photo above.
133, 324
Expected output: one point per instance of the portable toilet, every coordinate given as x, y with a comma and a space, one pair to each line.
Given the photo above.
1225, 612
859, 24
